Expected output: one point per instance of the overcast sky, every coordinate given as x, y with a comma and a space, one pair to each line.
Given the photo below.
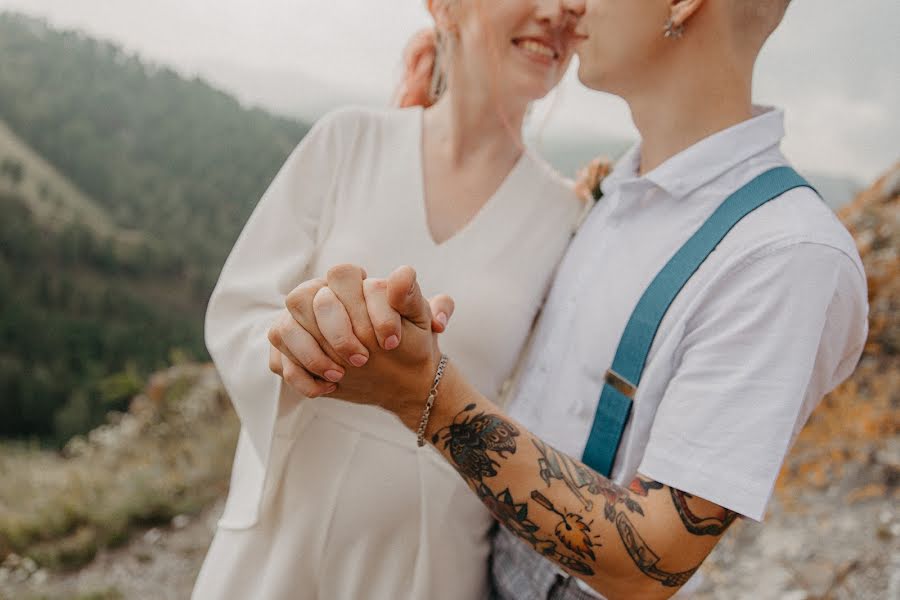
834, 65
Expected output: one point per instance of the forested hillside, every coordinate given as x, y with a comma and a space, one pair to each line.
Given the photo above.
107, 257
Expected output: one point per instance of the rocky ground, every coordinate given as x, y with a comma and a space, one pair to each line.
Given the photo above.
839, 543
832, 532
158, 564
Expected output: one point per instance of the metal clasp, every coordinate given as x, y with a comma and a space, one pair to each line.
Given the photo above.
621, 384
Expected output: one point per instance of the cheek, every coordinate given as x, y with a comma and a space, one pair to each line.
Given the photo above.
615, 52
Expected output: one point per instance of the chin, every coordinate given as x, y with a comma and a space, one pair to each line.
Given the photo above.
530, 91
538, 94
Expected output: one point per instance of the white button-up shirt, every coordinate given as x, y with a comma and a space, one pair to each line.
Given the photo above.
773, 320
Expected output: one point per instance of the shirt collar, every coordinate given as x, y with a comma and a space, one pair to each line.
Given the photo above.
706, 160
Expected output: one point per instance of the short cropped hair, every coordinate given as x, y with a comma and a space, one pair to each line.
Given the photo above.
758, 18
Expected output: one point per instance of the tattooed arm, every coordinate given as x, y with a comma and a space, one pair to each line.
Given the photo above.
643, 541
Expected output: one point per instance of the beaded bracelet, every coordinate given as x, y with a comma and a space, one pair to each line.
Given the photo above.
432, 395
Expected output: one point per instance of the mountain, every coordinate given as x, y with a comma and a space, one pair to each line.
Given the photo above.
123, 186
289, 93
85, 306
174, 158
52, 198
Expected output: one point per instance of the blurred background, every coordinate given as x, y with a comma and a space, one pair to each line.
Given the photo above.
135, 139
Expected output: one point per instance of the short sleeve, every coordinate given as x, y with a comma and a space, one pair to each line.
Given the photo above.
771, 338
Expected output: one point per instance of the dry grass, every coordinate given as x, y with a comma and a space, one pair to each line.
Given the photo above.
170, 455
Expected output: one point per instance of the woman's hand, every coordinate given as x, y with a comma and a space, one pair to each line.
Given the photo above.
299, 359
384, 327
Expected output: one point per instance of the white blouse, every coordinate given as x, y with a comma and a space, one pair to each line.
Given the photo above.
352, 192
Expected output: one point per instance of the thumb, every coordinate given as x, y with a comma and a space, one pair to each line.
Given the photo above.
442, 307
406, 298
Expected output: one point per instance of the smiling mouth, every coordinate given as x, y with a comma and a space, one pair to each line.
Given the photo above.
537, 48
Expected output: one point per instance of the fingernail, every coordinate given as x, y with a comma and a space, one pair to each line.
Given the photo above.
391, 343
332, 375
442, 319
358, 360
330, 389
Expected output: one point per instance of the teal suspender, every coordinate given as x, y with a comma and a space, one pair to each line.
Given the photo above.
623, 378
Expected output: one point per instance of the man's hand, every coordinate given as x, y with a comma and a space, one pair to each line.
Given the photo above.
385, 325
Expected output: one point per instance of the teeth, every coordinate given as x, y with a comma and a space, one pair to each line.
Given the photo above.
537, 48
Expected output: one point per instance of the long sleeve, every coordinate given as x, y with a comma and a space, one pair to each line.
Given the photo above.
270, 257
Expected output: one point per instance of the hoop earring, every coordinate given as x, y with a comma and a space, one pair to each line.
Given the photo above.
673, 31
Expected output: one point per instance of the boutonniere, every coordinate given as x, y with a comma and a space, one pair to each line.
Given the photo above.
590, 179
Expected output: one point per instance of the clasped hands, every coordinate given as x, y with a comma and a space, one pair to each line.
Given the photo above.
369, 341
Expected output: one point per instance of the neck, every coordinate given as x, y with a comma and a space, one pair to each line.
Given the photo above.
466, 126
685, 107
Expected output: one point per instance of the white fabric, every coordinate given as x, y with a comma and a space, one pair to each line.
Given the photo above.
313, 515
336, 527
774, 319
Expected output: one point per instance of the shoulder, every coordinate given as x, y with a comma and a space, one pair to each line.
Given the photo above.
354, 134
552, 193
351, 121
798, 219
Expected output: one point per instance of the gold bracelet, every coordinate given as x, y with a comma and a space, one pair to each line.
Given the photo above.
432, 395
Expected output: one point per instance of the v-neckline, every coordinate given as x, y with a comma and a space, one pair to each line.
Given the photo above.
480, 214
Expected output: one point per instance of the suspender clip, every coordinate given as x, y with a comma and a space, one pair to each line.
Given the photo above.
621, 384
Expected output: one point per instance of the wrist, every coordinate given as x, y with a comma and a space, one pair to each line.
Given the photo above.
454, 393
411, 407
451, 391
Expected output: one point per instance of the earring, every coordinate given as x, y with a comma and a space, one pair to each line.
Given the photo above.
673, 31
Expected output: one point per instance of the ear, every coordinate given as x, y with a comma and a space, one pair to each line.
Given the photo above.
681, 11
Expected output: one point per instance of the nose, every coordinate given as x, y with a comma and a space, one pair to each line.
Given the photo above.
560, 13
574, 8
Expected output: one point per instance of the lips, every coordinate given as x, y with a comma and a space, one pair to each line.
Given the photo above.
540, 48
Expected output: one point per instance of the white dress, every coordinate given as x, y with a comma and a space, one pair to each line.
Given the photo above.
334, 501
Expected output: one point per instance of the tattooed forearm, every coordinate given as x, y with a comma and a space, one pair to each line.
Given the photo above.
470, 440
643, 487
572, 531
645, 559
582, 480
514, 517
576, 509
713, 525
